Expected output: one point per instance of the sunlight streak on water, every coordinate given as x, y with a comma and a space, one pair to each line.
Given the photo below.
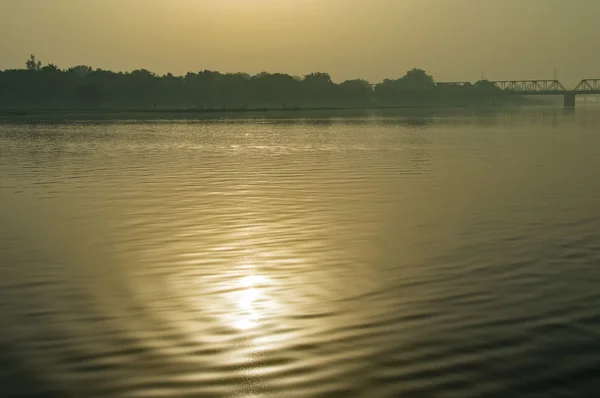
252, 305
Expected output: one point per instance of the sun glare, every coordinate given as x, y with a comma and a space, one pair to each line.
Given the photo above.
251, 301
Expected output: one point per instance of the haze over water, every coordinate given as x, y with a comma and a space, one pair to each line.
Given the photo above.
353, 256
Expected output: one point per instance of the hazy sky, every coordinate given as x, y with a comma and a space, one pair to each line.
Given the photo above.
371, 39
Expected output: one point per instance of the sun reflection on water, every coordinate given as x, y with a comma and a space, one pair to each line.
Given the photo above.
252, 302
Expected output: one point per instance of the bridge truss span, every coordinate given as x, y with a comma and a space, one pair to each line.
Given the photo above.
588, 86
530, 87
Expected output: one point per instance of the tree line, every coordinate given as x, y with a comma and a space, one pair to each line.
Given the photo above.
49, 86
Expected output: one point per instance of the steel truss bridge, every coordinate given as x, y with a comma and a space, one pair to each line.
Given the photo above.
542, 87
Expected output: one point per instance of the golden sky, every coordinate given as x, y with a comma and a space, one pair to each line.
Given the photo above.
371, 39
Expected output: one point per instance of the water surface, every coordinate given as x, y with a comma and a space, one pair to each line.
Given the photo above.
449, 256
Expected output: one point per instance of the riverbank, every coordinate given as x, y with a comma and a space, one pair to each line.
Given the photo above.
172, 113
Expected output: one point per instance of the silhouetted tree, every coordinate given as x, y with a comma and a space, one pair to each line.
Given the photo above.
417, 80
486, 86
319, 88
50, 68
32, 64
81, 70
357, 90
89, 95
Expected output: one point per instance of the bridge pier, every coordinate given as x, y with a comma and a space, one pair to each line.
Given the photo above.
569, 100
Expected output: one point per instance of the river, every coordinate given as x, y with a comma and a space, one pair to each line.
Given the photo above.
453, 255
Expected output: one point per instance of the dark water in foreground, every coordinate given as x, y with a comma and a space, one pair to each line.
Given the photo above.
453, 257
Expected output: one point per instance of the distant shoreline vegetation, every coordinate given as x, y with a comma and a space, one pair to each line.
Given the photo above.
82, 87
